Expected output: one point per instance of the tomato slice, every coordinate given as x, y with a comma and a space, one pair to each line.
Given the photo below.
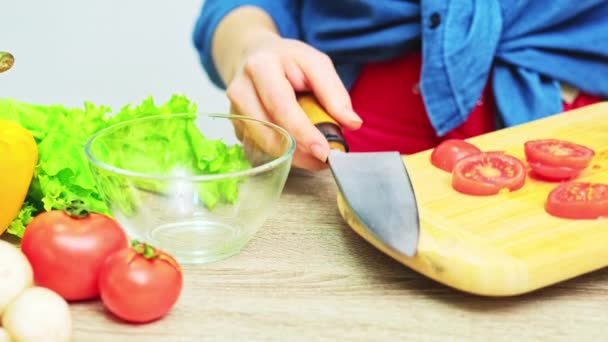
555, 152
488, 173
554, 173
448, 152
578, 200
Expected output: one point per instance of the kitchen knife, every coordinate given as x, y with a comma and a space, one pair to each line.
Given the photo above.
375, 185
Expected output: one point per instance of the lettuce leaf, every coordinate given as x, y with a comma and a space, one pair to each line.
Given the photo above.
25, 216
62, 174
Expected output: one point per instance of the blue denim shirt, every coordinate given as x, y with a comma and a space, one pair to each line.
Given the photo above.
525, 47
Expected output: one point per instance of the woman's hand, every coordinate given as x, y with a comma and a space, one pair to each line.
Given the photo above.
264, 75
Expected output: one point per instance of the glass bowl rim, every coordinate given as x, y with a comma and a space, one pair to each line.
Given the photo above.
196, 178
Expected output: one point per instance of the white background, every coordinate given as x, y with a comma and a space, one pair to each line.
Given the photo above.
110, 52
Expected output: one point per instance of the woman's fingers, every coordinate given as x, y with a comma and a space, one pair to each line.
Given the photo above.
244, 101
278, 98
265, 88
255, 137
306, 161
327, 86
295, 76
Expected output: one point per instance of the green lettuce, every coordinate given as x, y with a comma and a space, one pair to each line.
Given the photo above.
62, 174
17, 227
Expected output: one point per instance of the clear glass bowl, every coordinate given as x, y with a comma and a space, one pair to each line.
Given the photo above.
198, 186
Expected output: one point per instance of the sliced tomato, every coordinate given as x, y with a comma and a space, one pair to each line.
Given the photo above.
447, 153
555, 152
578, 200
488, 173
554, 173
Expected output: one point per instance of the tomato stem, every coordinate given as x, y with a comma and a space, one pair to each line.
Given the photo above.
146, 250
77, 208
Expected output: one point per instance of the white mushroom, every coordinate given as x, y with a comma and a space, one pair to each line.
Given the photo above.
15, 273
38, 314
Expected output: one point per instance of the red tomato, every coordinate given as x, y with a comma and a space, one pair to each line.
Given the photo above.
578, 200
554, 173
555, 159
488, 173
140, 284
66, 252
447, 153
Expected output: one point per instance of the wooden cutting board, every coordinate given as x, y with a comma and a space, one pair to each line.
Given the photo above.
506, 244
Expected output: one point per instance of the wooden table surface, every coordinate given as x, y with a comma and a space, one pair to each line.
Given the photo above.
307, 276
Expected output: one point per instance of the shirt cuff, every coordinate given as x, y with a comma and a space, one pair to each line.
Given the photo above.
284, 13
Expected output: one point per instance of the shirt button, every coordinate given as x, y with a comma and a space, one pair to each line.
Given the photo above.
435, 20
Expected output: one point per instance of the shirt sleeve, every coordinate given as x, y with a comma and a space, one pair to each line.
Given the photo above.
285, 14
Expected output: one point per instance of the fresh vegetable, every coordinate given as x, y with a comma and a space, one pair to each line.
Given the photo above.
140, 284
554, 159
15, 273
448, 152
67, 248
62, 174
28, 313
553, 173
38, 314
192, 153
578, 200
18, 156
488, 173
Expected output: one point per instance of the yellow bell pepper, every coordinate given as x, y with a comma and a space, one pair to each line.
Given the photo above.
18, 158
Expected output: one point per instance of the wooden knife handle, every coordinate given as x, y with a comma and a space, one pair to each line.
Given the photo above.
325, 123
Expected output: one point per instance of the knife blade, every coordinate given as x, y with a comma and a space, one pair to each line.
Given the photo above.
375, 185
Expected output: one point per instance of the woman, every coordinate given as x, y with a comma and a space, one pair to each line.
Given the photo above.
403, 74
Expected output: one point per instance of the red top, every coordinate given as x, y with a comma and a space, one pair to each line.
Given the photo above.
387, 98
